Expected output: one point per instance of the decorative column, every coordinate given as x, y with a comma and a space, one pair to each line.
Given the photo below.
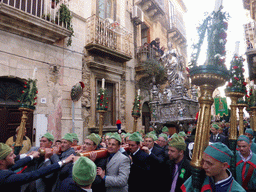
253, 118
101, 106
27, 102
241, 105
136, 110
208, 78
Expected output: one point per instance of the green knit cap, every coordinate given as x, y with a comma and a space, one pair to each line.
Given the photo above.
75, 137
164, 136
165, 129
178, 143
127, 135
48, 136
244, 138
152, 132
135, 137
68, 137
116, 136
95, 138
174, 135
249, 131
182, 134
219, 152
5, 150
84, 171
215, 125
150, 135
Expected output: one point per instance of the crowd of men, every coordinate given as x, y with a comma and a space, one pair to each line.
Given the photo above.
134, 162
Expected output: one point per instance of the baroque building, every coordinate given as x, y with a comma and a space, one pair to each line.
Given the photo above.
62, 42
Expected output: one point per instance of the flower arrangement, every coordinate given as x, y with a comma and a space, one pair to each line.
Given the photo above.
215, 25
28, 94
237, 82
136, 106
102, 100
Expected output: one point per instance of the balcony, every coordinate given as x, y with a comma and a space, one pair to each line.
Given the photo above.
153, 8
35, 19
177, 29
108, 38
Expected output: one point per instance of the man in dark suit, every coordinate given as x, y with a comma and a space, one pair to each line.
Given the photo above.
177, 168
10, 181
215, 136
157, 158
140, 168
66, 150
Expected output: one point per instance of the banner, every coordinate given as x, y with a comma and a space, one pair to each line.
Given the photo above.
221, 106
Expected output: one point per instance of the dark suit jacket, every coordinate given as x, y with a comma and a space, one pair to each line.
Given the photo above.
10, 181
168, 172
221, 138
157, 159
68, 185
140, 172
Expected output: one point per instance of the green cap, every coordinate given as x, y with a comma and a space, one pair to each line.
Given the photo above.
75, 137
116, 136
178, 143
127, 135
182, 134
135, 137
164, 136
244, 138
174, 135
68, 137
215, 125
249, 131
95, 138
165, 129
219, 152
150, 135
84, 171
48, 136
5, 150
108, 134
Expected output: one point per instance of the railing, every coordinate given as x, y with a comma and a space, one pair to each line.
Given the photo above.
44, 9
108, 33
249, 30
144, 53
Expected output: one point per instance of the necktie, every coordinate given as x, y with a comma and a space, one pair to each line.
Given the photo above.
174, 181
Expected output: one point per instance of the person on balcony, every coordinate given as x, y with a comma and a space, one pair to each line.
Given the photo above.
155, 46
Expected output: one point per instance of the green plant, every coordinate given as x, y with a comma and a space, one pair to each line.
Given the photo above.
65, 18
136, 106
102, 100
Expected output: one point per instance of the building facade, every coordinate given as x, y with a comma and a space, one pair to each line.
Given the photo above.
61, 43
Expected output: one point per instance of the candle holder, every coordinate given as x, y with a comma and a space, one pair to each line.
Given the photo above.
101, 107
136, 111
241, 104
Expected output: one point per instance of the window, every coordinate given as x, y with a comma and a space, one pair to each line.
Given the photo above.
109, 116
106, 9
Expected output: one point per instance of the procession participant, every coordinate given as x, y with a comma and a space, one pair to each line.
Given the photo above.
249, 134
140, 167
75, 139
215, 161
45, 183
66, 150
26, 144
163, 142
91, 143
83, 175
245, 164
126, 138
177, 169
187, 141
117, 170
10, 181
215, 136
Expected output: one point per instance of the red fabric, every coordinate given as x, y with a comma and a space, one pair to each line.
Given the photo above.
118, 122
197, 115
243, 171
183, 188
22, 170
241, 161
206, 187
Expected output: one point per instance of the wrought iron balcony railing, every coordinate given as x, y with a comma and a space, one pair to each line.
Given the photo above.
108, 37
36, 19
